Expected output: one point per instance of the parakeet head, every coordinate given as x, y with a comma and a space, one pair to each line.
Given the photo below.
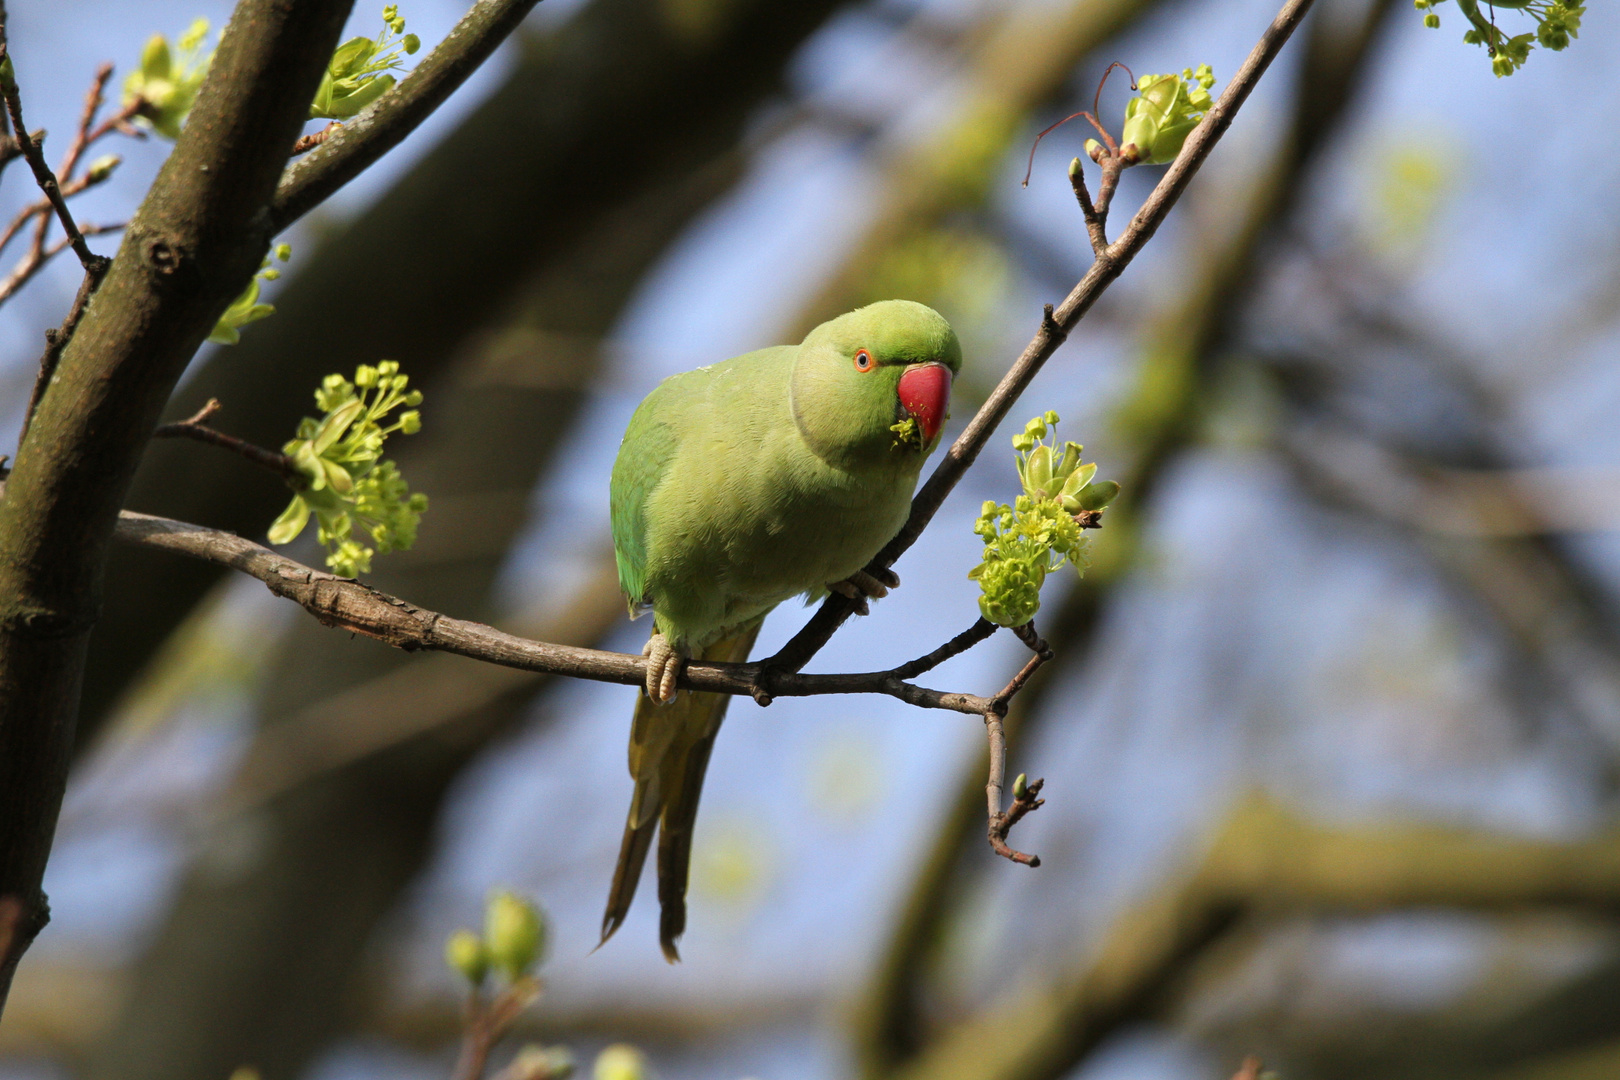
860, 375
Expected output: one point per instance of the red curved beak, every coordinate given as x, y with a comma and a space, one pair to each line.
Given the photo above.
925, 393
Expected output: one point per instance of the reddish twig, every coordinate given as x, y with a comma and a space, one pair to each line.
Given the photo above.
1249, 1070
94, 265
81, 135
39, 254
1025, 799
487, 1021
280, 464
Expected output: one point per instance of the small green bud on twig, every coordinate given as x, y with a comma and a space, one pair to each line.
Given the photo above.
101, 168
620, 1061
514, 934
465, 953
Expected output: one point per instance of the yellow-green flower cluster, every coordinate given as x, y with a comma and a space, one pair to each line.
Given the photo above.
166, 81
1557, 23
1164, 111
357, 75
346, 481
1038, 533
246, 307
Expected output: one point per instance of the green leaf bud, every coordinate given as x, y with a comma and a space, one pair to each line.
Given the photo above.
1094, 151
513, 933
1098, 495
1074, 168
541, 1063
1020, 788
285, 529
621, 1061
465, 953
102, 167
156, 62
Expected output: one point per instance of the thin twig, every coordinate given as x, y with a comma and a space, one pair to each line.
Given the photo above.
87, 118
1096, 224
280, 464
1054, 330
959, 644
38, 255
385, 122
1249, 1070
94, 265
487, 1021
55, 341
1024, 800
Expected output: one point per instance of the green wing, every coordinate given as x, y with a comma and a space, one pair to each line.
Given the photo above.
644, 456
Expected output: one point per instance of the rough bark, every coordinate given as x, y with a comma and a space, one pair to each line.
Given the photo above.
199, 234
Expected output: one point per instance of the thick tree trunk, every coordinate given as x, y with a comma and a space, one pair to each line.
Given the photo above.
195, 241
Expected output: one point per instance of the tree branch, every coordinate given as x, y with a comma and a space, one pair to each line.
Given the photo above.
199, 235
350, 149
1054, 330
194, 428
360, 609
94, 265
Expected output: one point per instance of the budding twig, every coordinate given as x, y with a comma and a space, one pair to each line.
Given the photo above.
1055, 330
487, 1021
1024, 798
94, 265
194, 428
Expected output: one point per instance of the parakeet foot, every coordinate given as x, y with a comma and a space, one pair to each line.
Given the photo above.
663, 667
861, 584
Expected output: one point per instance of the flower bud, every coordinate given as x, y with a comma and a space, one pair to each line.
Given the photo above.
513, 934
102, 167
540, 1063
466, 955
621, 1061
1098, 495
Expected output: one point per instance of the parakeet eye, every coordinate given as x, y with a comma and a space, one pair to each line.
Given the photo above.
864, 361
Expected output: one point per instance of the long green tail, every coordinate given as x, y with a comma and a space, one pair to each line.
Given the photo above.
669, 753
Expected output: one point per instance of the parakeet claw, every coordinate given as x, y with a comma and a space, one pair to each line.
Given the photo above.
663, 667
860, 585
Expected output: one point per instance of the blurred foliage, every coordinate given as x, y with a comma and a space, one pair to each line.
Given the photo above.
1557, 23
166, 81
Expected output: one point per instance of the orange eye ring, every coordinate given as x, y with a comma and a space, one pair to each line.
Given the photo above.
864, 361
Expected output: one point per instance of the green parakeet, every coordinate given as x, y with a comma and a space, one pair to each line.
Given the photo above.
777, 473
